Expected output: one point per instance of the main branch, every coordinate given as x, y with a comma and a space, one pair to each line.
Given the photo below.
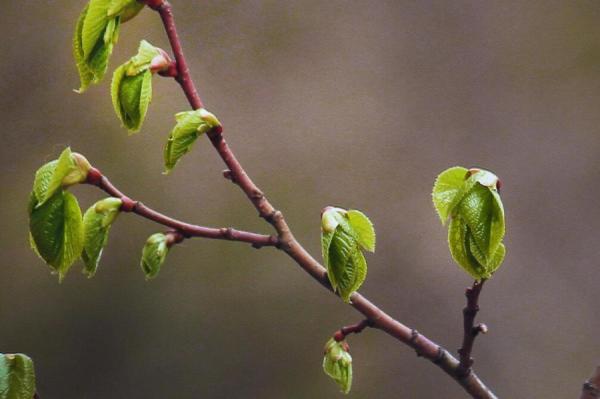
236, 173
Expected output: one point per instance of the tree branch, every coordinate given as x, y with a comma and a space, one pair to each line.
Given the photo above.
96, 178
357, 328
236, 173
591, 388
470, 329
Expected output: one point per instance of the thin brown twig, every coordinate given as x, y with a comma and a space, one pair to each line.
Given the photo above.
470, 329
357, 328
236, 173
187, 230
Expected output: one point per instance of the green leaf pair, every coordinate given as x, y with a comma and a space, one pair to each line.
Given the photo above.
96, 33
337, 364
154, 254
470, 199
132, 85
344, 235
190, 125
17, 377
58, 232
55, 223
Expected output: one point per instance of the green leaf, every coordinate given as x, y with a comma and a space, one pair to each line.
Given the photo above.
70, 168
94, 25
94, 39
337, 364
190, 125
363, 229
131, 87
154, 254
131, 97
86, 75
448, 190
479, 209
56, 229
142, 61
458, 241
346, 266
17, 377
48, 178
96, 225
126, 9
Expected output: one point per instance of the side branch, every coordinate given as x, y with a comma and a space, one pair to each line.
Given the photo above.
357, 328
470, 329
187, 230
591, 388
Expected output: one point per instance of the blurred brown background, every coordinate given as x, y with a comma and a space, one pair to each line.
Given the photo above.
354, 103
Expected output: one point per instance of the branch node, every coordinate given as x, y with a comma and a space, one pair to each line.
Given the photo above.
94, 177
155, 5
441, 355
227, 174
257, 195
170, 71
174, 237
128, 204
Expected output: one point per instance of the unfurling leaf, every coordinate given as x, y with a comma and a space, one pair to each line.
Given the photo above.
344, 234
154, 254
190, 125
70, 168
96, 225
337, 364
17, 377
471, 200
132, 86
56, 230
96, 33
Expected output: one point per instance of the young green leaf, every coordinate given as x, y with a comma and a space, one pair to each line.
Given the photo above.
17, 377
190, 125
154, 254
347, 267
56, 229
477, 224
458, 242
96, 225
131, 87
337, 364
70, 168
449, 188
363, 229
343, 235
96, 33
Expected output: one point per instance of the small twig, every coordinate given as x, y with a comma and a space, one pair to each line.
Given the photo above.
470, 329
357, 328
185, 230
591, 388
